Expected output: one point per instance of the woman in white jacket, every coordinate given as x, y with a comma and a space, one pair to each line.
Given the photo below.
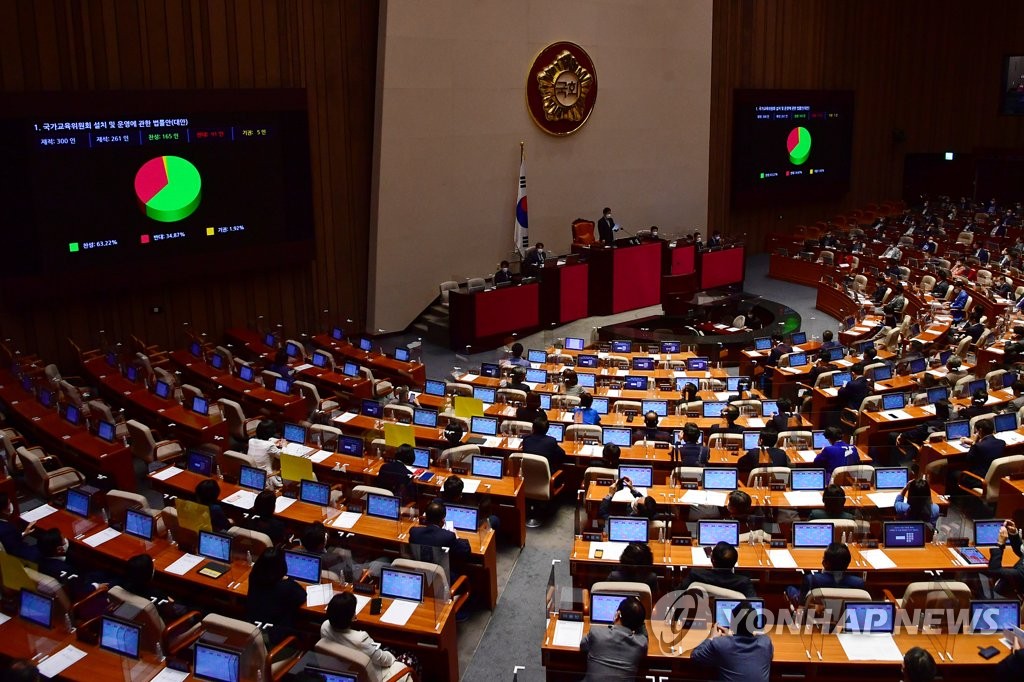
338, 629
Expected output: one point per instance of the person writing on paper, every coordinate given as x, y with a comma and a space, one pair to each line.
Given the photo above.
587, 413
1009, 580
742, 656
722, 573
264, 449
614, 651
433, 534
606, 227
837, 454
834, 564
341, 612
915, 503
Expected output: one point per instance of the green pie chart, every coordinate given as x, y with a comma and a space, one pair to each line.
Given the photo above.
799, 145
168, 188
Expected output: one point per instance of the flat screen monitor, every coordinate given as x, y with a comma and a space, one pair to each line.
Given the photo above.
586, 360
710, 533
396, 583
485, 426
72, 414
977, 385
959, 428
351, 445
917, 365
1006, 421
868, 617
372, 409
78, 502
252, 478
216, 664
807, 479
162, 389
615, 436
986, 532
217, 361
713, 408
751, 440
769, 408
724, 609
120, 637
351, 369
668, 347
383, 506
556, 431
883, 373
836, 353
659, 407
622, 346
636, 383
36, 608
292, 350
818, 440
937, 393
195, 349
681, 383
536, 356
402, 354
899, 534
199, 462
421, 458
321, 360
270, 340
572, 343
434, 387
586, 380
282, 386
365, 344
536, 376
893, 401
891, 478
545, 401
200, 405
994, 615
139, 524
797, 359
314, 492
697, 364
246, 373
484, 395
45, 397
131, 373
302, 567
763, 343
812, 534
720, 479
642, 364
490, 370
1009, 379
604, 606
734, 384
424, 417
486, 467
641, 476
628, 529
462, 517
293, 433
840, 379
214, 546
337, 333
798, 338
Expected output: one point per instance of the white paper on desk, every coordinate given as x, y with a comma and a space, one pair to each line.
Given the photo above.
958, 446
399, 612
870, 647
755, 422
514, 443
621, 372
568, 633
992, 399
611, 551
565, 417
590, 451
877, 558
56, 663
302, 367
492, 441
883, 500
613, 393
843, 363
243, 499
184, 564
1010, 437
625, 496
319, 456
318, 595
723, 395
930, 409
532, 384
346, 519
707, 497
732, 329
39, 512
98, 539
804, 498
781, 558
297, 450
345, 417
469, 377
282, 503
470, 485
831, 391
4, 618
860, 329
790, 370
698, 557
807, 455
169, 675
167, 472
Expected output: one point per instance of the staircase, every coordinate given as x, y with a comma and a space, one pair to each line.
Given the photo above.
432, 323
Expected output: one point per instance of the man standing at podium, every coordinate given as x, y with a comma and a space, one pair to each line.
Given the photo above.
606, 226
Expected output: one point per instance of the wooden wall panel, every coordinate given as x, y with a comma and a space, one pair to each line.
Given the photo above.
929, 70
325, 46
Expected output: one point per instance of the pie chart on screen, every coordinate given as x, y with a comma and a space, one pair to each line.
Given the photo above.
799, 145
168, 188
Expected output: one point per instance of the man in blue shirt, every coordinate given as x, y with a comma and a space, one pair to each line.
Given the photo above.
837, 454
588, 415
517, 359
834, 563
828, 341
742, 657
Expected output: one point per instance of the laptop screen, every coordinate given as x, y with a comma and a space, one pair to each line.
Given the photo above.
904, 534
917, 365
883, 373
422, 417
490, 370
836, 353
798, 337
891, 478
162, 388
246, 373
399, 584
808, 479
720, 479
869, 617
627, 529
798, 359
622, 346
302, 566
643, 364
281, 385
572, 343
270, 340
545, 401
681, 383
365, 345
724, 609
974, 386
986, 533
659, 407
620, 437
763, 343
195, 349
106, 431
77, 502
536, 376
697, 364
200, 405
586, 380
373, 409
215, 546
1005, 422
402, 354
714, 408
769, 408
462, 518
199, 462
485, 426
131, 373
351, 445
215, 664
600, 405
337, 333
252, 478
818, 440
840, 379
737, 383
636, 383
138, 524
120, 637
893, 401
36, 608
536, 355
292, 350
751, 439
603, 607
351, 369
640, 476
46, 397
434, 387
383, 506
421, 458
556, 431
710, 533
960, 428
937, 393
586, 360
994, 615
812, 534
484, 395
487, 467
314, 492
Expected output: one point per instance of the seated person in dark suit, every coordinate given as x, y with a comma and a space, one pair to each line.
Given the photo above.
870, 357
208, 493
856, 389
540, 443
531, 411
985, 449
614, 652
722, 572
915, 436
534, 260
12, 536
978, 406
263, 519
639, 505
518, 382
778, 350
636, 565
433, 533
138, 579
394, 475
765, 455
834, 502
504, 274
451, 493
828, 341
730, 414
834, 564
274, 597
651, 430
740, 507
1011, 579
690, 453
782, 420
610, 455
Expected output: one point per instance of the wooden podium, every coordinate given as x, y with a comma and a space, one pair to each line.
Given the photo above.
624, 277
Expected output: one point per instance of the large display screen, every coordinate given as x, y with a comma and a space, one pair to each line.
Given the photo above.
721, 268
98, 181
791, 145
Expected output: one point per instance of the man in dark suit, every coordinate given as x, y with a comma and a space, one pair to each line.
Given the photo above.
835, 562
855, 390
534, 260
721, 574
1013, 577
690, 453
503, 274
731, 413
433, 533
780, 348
606, 226
985, 449
614, 652
540, 443
982, 254
651, 430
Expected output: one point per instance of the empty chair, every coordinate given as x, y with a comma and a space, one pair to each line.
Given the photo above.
399, 413
512, 427
965, 238
437, 580
326, 437
623, 406
984, 278
10, 439
565, 402
583, 432
361, 491
118, 502
231, 463
729, 441
687, 475
795, 439
318, 407
240, 428
45, 483
714, 591
381, 387
447, 287
145, 447
927, 283
256, 661
766, 476
474, 284
561, 359
740, 321
156, 635
987, 489
540, 483
826, 257
860, 283
248, 543
454, 388
847, 475
512, 396
617, 361
102, 411
830, 600
946, 597
460, 453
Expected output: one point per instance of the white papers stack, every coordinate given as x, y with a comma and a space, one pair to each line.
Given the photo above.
610, 550
39, 512
568, 633
184, 564
698, 557
282, 503
722, 395
99, 538
843, 363
345, 519
870, 647
492, 441
168, 675
470, 485
804, 498
878, 558
708, 497
806, 455
755, 422
565, 416
319, 595
345, 417
781, 558
590, 451
297, 450
896, 414
621, 372
399, 612
883, 500
320, 456
164, 474
958, 446
469, 378
930, 409
625, 496
59, 662
832, 391
4, 618
613, 393
303, 367
515, 443
243, 499
1010, 437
